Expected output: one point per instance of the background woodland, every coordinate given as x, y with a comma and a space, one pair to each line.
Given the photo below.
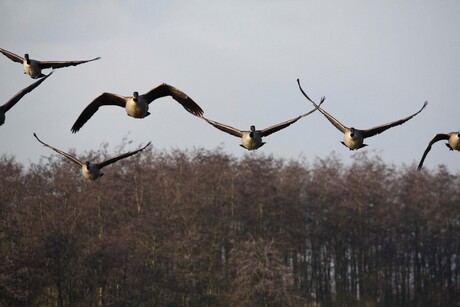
203, 228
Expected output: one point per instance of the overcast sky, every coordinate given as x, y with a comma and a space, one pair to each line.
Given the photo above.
375, 61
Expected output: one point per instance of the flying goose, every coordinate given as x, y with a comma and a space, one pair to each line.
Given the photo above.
137, 106
92, 171
252, 139
34, 68
10, 103
453, 143
354, 138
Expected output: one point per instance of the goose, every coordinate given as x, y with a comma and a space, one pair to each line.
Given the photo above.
91, 171
137, 106
353, 138
34, 67
453, 143
12, 102
252, 139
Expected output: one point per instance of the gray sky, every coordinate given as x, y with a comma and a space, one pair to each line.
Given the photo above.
239, 60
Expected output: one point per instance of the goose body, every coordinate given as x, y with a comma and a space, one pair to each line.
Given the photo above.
353, 138
252, 139
453, 143
12, 102
33, 68
137, 106
91, 171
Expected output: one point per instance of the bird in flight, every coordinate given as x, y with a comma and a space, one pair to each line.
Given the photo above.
137, 106
354, 138
252, 139
453, 143
91, 171
12, 102
34, 67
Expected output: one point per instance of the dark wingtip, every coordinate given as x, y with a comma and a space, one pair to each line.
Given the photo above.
196, 111
35, 135
298, 83
148, 144
302, 91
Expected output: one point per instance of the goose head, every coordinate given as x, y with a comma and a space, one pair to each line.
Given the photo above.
252, 129
135, 96
26, 56
92, 171
352, 132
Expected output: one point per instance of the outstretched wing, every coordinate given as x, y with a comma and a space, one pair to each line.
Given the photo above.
225, 128
316, 108
274, 128
125, 155
10, 103
167, 90
105, 99
437, 137
60, 64
379, 129
12, 56
71, 158
329, 117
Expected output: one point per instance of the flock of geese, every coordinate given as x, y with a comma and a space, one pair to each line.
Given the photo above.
137, 106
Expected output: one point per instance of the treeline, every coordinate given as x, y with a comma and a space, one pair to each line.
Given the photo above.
203, 228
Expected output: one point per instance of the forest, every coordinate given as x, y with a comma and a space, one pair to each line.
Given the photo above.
204, 228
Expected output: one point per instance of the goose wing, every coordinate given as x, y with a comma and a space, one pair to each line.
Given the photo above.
379, 129
168, 90
10, 103
225, 128
437, 137
274, 128
71, 158
105, 99
333, 121
12, 56
60, 64
316, 108
122, 156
